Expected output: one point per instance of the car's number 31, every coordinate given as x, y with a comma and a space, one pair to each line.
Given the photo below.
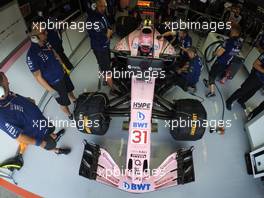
139, 137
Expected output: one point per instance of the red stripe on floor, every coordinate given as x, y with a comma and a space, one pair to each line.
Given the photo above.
15, 56
17, 190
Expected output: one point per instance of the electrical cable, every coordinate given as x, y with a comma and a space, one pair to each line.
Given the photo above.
208, 70
206, 51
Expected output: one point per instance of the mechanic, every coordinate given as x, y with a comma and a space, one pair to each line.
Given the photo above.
55, 39
182, 39
250, 86
189, 74
100, 41
46, 66
20, 118
230, 48
235, 16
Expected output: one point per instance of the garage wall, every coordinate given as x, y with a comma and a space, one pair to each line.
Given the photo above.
10, 37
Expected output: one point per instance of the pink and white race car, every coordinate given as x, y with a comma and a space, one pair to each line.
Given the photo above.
140, 100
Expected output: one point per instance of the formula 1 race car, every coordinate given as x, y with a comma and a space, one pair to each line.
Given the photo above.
148, 61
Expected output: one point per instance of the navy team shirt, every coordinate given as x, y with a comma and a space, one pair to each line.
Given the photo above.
258, 73
232, 48
18, 116
195, 70
43, 59
186, 42
55, 39
97, 33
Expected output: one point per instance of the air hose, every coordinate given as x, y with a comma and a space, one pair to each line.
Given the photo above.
218, 44
208, 59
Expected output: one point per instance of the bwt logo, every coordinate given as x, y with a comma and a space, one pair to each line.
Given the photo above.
138, 187
140, 125
141, 105
140, 116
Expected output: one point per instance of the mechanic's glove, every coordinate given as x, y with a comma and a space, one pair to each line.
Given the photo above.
109, 34
185, 69
178, 71
54, 94
159, 37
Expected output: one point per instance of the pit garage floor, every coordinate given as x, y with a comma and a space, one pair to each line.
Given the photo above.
219, 164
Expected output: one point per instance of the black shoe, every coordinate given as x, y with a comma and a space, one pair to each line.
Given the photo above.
228, 106
64, 151
210, 95
60, 134
250, 116
206, 83
71, 117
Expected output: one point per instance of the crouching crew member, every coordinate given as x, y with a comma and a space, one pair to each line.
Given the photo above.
20, 118
183, 40
189, 74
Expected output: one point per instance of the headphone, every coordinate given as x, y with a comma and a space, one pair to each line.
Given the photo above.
34, 39
2, 90
93, 6
33, 34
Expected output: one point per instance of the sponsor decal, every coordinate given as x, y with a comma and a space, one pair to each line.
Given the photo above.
140, 125
138, 187
141, 105
138, 156
139, 137
194, 127
138, 162
140, 116
135, 45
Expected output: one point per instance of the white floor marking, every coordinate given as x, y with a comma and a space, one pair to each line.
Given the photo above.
216, 107
121, 147
204, 150
235, 116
